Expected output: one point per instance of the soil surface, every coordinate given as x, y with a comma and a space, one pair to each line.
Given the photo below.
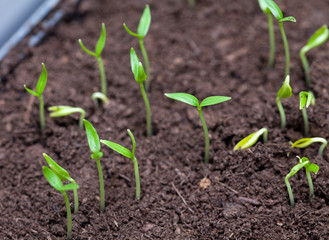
218, 48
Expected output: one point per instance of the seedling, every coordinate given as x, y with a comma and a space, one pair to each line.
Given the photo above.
63, 175
303, 162
97, 54
266, 10
56, 183
61, 111
38, 93
284, 92
95, 148
317, 39
250, 140
305, 142
143, 28
277, 13
129, 154
191, 100
140, 76
305, 100
99, 96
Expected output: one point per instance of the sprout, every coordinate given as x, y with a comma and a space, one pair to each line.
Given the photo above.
97, 54
304, 162
56, 183
191, 100
266, 10
318, 38
95, 147
61, 111
98, 95
63, 175
38, 93
143, 28
284, 92
251, 139
129, 154
305, 142
305, 99
276, 11
140, 76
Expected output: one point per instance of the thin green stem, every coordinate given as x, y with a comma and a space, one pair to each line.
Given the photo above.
103, 77
148, 111
265, 135
76, 199
286, 48
206, 137
147, 64
306, 67
272, 40
69, 216
306, 125
138, 185
321, 149
281, 111
291, 196
42, 115
310, 183
82, 116
101, 184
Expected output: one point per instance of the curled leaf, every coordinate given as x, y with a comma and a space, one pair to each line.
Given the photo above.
288, 19
285, 90
251, 139
137, 67
317, 39
305, 99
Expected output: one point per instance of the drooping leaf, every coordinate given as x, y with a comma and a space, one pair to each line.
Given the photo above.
137, 67
118, 148
131, 32
60, 111
313, 168
42, 80
57, 169
92, 137
305, 99
214, 100
317, 39
144, 22
285, 90
274, 8
31, 91
250, 140
296, 168
101, 41
70, 186
52, 178
288, 19
184, 97
86, 50
133, 141
302, 143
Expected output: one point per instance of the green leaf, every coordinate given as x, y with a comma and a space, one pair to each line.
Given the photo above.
57, 169
285, 90
101, 41
144, 22
305, 99
296, 168
317, 39
118, 148
31, 91
184, 97
302, 143
137, 67
131, 32
52, 178
133, 141
60, 111
214, 100
313, 168
250, 140
92, 137
42, 80
86, 50
288, 19
263, 6
70, 186
274, 8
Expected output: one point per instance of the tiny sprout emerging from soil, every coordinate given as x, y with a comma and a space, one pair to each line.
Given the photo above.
284, 92
266, 10
63, 175
129, 154
303, 162
191, 100
97, 54
251, 139
95, 148
317, 39
305, 142
56, 183
305, 100
38, 93
140, 76
277, 13
143, 28
99, 96
61, 111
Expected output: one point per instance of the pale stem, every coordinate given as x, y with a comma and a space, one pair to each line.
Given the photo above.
206, 137
281, 111
102, 72
306, 125
148, 111
101, 184
291, 196
147, 64
306, 67
286, 48
42, 115
69, 216
310, 183
272, 40
138, 185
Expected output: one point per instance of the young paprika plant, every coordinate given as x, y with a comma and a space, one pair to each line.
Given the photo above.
305, 100
305, 142
251, 139
284, 92
191, 100
61, 111
38, 93
129, 154
142, 30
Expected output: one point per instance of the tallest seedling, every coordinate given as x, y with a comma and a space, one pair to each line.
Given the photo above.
143, 28
277, 13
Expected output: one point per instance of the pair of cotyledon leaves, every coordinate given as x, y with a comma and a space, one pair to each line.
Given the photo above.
317, 39
99, 46
41, 83
143, 26
60, 111
285, 90
305, 142
306, 99
269, 6
137, 67
303, 162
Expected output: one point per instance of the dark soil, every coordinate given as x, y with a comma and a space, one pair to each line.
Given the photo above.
219, 48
